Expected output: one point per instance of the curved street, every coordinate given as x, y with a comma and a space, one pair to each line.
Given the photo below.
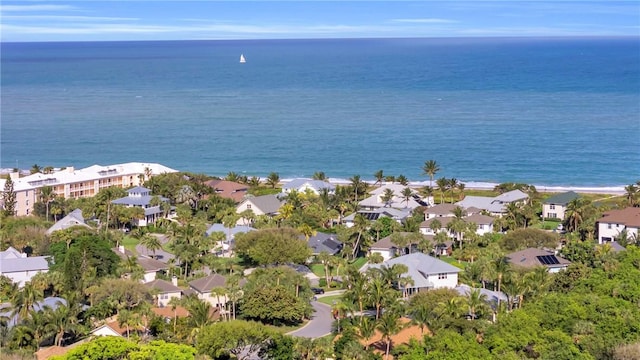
321, 321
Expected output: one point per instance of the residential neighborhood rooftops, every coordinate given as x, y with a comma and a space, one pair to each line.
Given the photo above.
420, 267
318, 185
441, 209
208, 283
268, 204
561, 199
228, 189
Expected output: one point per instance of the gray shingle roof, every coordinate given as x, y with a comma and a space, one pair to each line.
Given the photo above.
234, 230
163, 286
208, 283
34, 263
530, 258
561, 199
324, 242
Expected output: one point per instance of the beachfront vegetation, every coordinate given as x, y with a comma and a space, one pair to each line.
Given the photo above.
588, 311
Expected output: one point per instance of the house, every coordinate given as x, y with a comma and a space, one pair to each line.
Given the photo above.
223, 247
205, 289
614, 222
555, 206
304, 185
261, 205
71, 183
426, 272
165, 291
149, 265
141, 197
532, 258
72, 219
388, 249
398, 215
228, 189
110, 328
483, 224
444, 249
323, 242
19, 267
398, 201
495, 206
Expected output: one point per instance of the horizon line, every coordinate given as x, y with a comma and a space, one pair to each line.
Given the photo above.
559, 36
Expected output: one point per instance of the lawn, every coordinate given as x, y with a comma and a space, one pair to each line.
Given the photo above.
359, 262
330, 300
454, 262
130, 243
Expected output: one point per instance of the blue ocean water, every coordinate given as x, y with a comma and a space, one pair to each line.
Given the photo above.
547, 111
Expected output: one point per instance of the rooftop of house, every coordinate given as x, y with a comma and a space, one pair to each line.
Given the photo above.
234, 230
228, 189
533, 257
163, 286
208, 283
148, 264
11, 261
374, 214
72, 219
492, 204
629, 217
268, 204
441, 209
324, 242
316, 184
386, 242
561, 199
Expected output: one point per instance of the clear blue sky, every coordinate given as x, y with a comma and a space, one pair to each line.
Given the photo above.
176, 20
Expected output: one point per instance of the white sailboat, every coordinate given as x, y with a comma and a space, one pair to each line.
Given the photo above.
242, 60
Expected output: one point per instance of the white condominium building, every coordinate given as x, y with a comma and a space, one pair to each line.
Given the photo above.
72, 183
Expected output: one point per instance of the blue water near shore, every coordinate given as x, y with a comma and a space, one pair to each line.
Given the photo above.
555, 112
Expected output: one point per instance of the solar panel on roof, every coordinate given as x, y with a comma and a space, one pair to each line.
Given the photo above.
331, 244
548, 259
371, 216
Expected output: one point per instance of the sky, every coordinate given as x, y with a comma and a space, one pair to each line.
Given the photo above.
47, 20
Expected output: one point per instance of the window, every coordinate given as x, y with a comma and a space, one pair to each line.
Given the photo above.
608, 226
442, 276
248, 206
552, 207
553, 215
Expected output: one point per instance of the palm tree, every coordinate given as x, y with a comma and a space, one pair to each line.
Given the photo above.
357, 185
402, 180
501, 267
389, 324
151, 242
379, 175
387, 197
366, 329
46, 197
575, 213
61, 321
476, 302
319, 175
631, 194
407, 194
430, 168
325, 258
453, 184
273, 179
24, 300
35, 168
443, 184
421, 315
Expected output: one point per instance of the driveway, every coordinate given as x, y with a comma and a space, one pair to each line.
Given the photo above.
320, 323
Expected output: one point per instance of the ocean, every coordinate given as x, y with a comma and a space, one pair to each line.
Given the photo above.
544, 111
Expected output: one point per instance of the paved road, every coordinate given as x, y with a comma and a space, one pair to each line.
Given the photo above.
320, 323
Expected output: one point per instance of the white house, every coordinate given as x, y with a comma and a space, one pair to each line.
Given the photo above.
165, 291
388, 249
149, 265
555, 206
440, 210
205, 287
426, 272
303, 185
398, 201
398, 215
483, 223
613, 222
20, 268
497, 205
141, 197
